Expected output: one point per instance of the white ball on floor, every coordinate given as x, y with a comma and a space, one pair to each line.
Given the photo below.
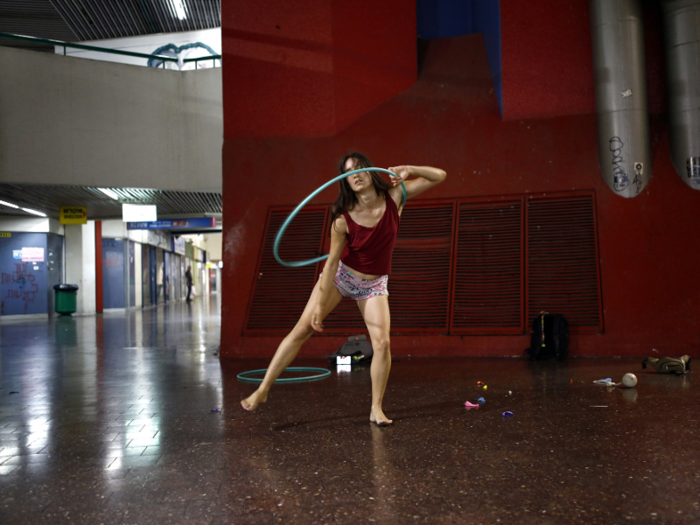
629, 380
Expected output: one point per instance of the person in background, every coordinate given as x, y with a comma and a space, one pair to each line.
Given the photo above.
188, 278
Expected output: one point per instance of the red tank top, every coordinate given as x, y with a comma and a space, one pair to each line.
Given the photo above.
369, 250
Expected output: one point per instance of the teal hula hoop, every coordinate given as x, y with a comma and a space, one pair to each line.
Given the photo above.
243, 376
298, 264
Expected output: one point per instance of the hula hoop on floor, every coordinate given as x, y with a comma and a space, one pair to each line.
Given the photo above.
243, 376
298, 264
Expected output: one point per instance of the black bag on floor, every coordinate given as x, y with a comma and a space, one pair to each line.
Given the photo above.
549, 338
358, 348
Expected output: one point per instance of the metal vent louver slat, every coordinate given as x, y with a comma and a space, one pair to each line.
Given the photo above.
280, 293
488, 294
563, 275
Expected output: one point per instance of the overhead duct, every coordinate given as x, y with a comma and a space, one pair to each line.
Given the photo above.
624, 151
682, 28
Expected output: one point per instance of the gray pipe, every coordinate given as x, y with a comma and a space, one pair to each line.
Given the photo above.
682, 34
624, 152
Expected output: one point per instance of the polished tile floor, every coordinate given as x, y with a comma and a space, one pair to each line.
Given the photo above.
111, 419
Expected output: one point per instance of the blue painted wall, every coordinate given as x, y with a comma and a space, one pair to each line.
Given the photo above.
448, 18
132, 273
113, 273
22, 284
444, 18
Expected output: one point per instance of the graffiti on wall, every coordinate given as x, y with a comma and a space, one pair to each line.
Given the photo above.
20, 285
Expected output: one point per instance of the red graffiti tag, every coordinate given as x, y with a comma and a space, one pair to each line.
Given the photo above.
21, 285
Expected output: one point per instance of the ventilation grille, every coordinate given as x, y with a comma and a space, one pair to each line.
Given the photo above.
280, 293
563, 273
422, 262
488, 294
470, 281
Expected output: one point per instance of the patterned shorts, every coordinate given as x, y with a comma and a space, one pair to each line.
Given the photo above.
350, 285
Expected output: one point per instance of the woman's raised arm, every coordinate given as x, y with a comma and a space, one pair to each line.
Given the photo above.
425, 178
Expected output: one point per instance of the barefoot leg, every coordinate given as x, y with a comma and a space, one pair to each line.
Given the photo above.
375, 312
289, 348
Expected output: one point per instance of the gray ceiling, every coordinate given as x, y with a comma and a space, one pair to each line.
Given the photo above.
82, 20
48, 199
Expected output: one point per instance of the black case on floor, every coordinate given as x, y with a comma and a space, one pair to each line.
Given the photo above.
549, 338
357, 347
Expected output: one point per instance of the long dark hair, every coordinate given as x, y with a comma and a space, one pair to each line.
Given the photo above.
347, 199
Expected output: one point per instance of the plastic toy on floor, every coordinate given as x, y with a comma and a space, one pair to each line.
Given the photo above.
668, 365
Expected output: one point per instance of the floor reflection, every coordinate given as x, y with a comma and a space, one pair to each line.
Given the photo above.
96, 388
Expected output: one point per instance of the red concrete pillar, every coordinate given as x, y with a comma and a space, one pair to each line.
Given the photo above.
98, 268
311, 67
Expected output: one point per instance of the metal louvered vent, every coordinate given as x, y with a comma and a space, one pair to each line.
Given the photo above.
49, 198
280, 293
563, 276
466, 276
422, 264
488, 293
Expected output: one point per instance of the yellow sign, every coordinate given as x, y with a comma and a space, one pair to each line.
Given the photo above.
5, 234
73, 215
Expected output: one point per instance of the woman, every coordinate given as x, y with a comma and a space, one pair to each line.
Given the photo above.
365, 225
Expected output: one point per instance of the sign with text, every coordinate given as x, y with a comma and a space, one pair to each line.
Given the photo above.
32, 255
173, 224
73, 215
5, 234
178, 245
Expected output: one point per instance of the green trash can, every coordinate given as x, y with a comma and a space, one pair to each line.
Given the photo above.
66, 298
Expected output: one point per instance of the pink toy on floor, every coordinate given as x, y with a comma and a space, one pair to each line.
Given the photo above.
470, 405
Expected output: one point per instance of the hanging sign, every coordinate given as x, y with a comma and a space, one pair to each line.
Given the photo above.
174, 224
5, 234
73, 215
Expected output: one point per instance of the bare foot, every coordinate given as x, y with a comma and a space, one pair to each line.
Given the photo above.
252, 402
377, 416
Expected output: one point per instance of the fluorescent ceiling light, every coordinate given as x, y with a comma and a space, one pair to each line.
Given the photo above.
179, 7
109, 193
33, 212
139, 213
9, 204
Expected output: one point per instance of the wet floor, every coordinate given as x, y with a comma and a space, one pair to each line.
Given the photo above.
109, 420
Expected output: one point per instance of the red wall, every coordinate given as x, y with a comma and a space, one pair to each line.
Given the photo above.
546, 142
450, 119
312, 67
547, 63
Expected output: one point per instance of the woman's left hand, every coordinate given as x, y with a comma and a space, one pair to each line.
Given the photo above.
402, 173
